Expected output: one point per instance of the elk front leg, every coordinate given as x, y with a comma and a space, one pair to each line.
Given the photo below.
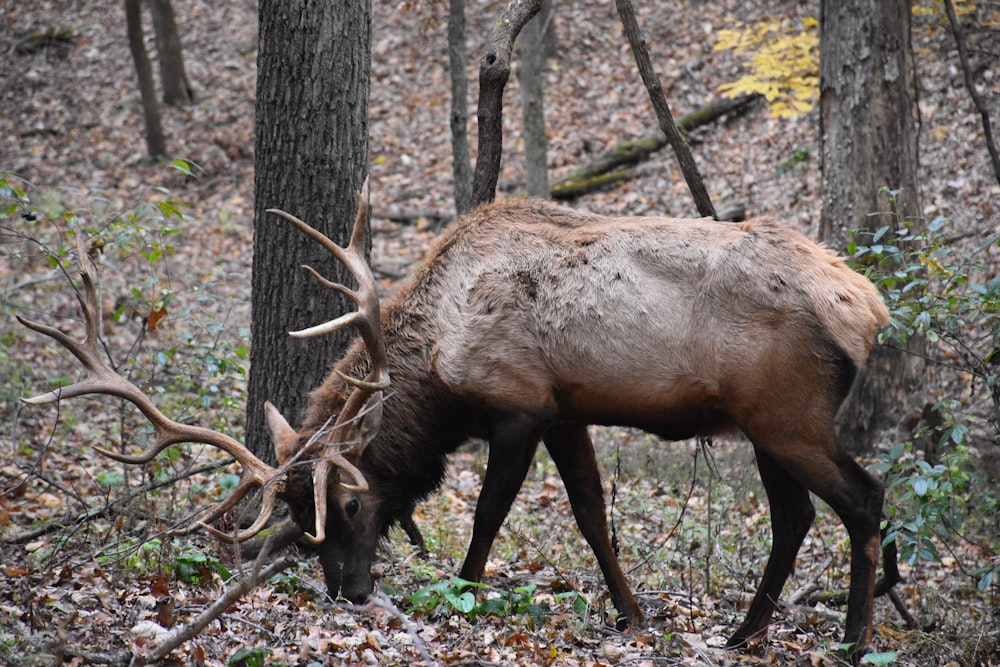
573, 452
512, 442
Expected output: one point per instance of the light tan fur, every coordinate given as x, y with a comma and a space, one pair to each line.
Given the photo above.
546, 301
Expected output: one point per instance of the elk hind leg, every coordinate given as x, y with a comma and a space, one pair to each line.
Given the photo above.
858, 503
792, 515
856, 497
573, 453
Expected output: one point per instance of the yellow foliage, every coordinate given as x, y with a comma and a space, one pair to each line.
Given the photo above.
783, 62
931, 7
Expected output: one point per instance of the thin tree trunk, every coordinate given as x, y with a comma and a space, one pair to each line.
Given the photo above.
531, 51
173, 77
652, 82
156, 145
494, 71
457, 57
311, 158
977, 99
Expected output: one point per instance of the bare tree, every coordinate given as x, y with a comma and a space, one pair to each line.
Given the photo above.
981, 105
532, 51
494, 72
674, 136
156, 145
461, 165
173, 77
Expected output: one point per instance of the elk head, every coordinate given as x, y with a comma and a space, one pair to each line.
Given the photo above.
343, 508
316, 477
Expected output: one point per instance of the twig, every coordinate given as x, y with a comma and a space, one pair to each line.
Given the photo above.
230, 597
119, 658
808, 588
652, 82
379, 601
108, 508
900, 606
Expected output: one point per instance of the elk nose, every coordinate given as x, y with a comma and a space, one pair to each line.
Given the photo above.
358, 591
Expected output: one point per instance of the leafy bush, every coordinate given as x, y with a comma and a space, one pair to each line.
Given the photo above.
783, 62
940, 288
202, 378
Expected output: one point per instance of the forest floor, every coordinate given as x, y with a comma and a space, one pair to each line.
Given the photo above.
691, 520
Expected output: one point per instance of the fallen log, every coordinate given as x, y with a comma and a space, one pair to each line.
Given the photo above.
615, 165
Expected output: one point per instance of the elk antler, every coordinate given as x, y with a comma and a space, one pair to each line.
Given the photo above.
367, 318
103, 379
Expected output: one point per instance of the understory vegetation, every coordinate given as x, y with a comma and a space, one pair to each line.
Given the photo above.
90, 571
690, 519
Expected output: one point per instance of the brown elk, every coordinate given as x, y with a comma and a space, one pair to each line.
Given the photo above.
528, 323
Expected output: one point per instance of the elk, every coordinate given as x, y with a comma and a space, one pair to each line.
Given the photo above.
529, 322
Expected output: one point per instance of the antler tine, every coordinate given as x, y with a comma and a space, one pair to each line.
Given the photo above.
367, 318
321, 479
270, 496
102, 378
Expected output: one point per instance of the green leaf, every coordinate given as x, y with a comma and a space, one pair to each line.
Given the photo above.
886, 658
464, 602
249, 656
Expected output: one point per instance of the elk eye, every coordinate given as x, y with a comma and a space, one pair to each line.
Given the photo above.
352, 507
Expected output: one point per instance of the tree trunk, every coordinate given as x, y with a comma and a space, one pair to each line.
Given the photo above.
313, 67
494, 71
531, 51
156, 145
173, 78
868, 141
457, 57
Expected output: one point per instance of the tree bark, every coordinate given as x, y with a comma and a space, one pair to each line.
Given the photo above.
313, 67
652, 82
457, 56
173, 77
531, 51
868, 141
156, 145
494, 72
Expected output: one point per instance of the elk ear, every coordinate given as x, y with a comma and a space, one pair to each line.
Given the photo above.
283, 435
370, 420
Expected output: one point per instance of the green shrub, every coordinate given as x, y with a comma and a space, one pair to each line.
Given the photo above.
456, 595
938, 286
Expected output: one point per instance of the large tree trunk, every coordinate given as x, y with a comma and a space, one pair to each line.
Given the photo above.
156, 145
173, 78
313, 67
868, 141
